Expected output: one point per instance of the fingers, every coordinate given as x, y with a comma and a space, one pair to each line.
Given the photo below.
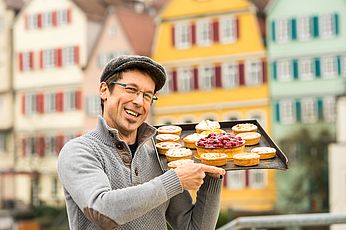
212, 169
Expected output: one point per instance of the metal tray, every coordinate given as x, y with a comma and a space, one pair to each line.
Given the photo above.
279, 162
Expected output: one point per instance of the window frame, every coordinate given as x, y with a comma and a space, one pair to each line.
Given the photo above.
309, 110
204, 32
207, 77
182, 35
287, 111
253, 74
230, 78
228, 29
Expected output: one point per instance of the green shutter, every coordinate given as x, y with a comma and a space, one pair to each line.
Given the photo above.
315, 29
293, 29
336, 24
274, 71
320, 108
273, 31
317, 68
295, 68
298, 111
277, 112
338, 60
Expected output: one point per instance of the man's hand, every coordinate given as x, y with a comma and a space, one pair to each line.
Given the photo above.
191, 175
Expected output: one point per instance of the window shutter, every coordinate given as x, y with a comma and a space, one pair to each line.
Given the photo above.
264, 71
195, 78
336, 24
315, 29
40, 146
298, 111
237, 26
273, 30
59, 97
78, 100
24, 147
174, 80
277, 112
31, 60
295, 69
59, 143
217, 70
39, 20
40, 103
216, 31
41, 59
293, 24
58, 59
193, 34
241, 74
320, 108
23, 104
173, 35
54, 18
338, 59
76, 55
274, 71
20, 60
69, 16
317, 68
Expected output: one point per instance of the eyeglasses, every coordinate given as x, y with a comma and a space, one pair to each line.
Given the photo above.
148, 97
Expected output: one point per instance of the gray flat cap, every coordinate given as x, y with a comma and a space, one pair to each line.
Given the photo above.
120, 63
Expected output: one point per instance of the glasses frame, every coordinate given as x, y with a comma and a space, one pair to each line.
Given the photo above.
154, 98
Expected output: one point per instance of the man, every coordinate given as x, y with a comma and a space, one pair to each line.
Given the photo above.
111, 176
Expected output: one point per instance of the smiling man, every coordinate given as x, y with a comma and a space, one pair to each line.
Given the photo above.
111, 175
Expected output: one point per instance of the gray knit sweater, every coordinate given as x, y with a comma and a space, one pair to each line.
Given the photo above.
106, 189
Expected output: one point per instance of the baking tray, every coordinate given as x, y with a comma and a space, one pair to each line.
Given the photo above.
280, 162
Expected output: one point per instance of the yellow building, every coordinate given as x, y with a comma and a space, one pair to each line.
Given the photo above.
216, 63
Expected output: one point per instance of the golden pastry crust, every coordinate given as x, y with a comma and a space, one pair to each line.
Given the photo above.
172, 129
177, 163
191, 139
251, 138
244, 127
207, 125
178, 154
246, 159
264, 152
163, 147
217, 131
167, 137
214, 159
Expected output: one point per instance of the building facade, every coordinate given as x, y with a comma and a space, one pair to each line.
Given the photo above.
216, 64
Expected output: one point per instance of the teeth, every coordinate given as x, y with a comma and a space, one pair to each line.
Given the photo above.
132, 113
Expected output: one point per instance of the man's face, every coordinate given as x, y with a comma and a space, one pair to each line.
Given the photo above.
123, 110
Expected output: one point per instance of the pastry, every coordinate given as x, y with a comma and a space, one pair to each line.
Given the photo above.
217, 131
207, 125
191, 139
244, 127
264, 152
177, 163
246, 159
167, 137
162, 147
214, 159
251, 138
220, 143
178, 154
171, 129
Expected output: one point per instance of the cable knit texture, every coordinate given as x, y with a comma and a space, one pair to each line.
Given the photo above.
106, 189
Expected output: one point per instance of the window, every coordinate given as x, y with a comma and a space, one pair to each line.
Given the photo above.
70, 100
236, 179
253, 74
32, 21
306, 68
326, 25
30, 103
329, 109
50, 144
2, 142
62, 17
93, 105
207, 78
50, 102
232, 116
185, 80
282, 33
259, 116
257, 178
27, 61
287, 111
31, 146
228, 30
309, 110
49, 58
182, 35
204, 32
230, 77
329, 67
68, 56
284, 70
304, 28
47, 19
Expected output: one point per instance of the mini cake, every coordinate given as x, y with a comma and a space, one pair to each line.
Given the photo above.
171, 129
246, 159
167, 137
220, 143
177, 163
178, 154
244, 127
214, 159
191, 139
251, 138
163, 147
264, 152
207, 125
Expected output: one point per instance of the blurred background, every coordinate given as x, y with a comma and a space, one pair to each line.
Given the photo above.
282, 62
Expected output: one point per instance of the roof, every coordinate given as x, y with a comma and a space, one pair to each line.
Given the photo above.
15, 4
95, 10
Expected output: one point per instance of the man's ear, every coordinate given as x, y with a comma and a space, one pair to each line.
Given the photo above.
103, 90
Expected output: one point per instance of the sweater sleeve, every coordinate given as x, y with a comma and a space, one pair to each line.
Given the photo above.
84, 179
183, 214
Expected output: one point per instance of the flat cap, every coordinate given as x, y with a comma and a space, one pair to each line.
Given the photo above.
123, 62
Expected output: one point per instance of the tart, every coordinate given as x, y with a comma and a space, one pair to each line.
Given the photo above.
217, 131
220, 143
214, 159
167, 137
191, 139
246, 159
171, 129
178, 154
163, 147
177, 163
264, 152
244, 127
207, 125
251, 138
